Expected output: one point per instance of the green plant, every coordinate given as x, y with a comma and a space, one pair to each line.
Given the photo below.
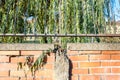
30, 65
55, 17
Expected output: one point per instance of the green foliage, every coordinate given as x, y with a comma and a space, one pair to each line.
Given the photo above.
54, 17
41, 60
30, 65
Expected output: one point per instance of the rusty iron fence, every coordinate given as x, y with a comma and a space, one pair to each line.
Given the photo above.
58, 18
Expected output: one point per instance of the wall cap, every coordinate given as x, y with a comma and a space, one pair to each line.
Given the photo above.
70, 46
26, 46
93, 46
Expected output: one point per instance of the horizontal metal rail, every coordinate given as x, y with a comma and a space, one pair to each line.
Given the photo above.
59, 35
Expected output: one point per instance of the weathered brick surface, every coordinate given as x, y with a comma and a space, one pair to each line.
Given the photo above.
108, 64
89, 64
44, 73
9, 78
31, 52
9, 53
49, 66
8, 66
99, 70
90, 77
115, 57
80, 71
84, 65
110, 52
15, 73
90, 52
95, 65
72, 52
4, 59
99, 57
75, 65
110, 77
4, 73
115, 70
18, 59
74, 77
79, 58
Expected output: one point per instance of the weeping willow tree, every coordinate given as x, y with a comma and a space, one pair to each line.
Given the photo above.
53, 17
81, 17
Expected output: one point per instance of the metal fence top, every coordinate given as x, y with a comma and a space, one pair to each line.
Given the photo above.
81, 20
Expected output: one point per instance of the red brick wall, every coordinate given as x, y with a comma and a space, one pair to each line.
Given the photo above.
9, 63
95, 65
85, 65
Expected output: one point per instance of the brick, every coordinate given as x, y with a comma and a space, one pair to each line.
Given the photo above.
8, 66
115, 63
23, 78
48, 73
4, 73
99, 70
80, 71
90, 77
48, 66
18, 59
74, 78
89, 52
8, 78
75, 65
9, 52
40, 73
115, 57
110, 63
79, 58
15, 73
110, 52
29, 74
4, 58
31, 52
37, 78
105, 63
44, 73
89, 64
69, 52
48, 59
99, 57
115, 70
111, 77
44, 79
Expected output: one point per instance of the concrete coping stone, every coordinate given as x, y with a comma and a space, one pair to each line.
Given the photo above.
70, 46
93, 46
26, 46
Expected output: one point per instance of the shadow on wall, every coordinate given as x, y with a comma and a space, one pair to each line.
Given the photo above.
70, 69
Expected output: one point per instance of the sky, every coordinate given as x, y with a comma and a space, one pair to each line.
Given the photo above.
116, 10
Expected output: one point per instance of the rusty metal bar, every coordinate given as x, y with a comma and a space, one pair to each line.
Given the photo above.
59, 35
